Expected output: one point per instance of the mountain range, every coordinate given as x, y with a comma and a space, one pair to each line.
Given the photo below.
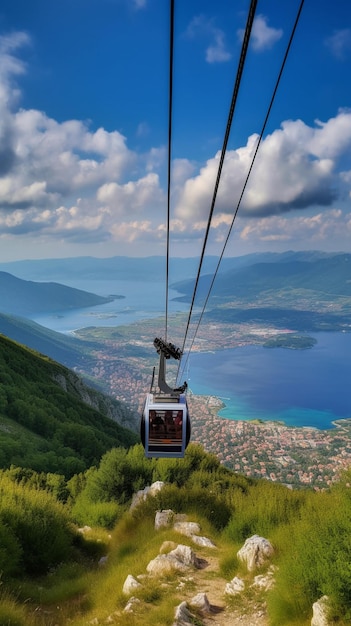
328, 276
149, 269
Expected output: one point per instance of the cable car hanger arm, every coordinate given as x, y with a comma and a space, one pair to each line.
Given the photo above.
166, 350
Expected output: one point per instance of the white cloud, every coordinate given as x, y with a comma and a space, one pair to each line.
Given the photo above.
339, 43
63, 179
263, 37
309, 231
132, 197
296, 168
217, 51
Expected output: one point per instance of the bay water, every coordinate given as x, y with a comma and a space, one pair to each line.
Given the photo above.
299, 387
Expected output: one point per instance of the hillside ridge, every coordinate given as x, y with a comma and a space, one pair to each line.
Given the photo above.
26, 297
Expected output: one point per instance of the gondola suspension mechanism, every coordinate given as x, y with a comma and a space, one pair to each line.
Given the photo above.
165, 424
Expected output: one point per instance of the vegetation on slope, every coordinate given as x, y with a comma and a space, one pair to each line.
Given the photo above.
45, 421
38, 525
65, 349
66, 465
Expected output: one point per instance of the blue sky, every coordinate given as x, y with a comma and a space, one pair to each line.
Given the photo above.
84, 126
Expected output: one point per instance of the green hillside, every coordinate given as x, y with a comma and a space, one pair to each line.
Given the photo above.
52, 573
49, 420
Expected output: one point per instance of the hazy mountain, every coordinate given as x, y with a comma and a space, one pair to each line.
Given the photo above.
329, 275
151, 268
65, 349
22, 297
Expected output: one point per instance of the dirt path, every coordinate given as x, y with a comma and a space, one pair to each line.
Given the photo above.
244, 610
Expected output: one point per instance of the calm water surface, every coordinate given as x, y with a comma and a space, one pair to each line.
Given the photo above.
300, 387
141, 300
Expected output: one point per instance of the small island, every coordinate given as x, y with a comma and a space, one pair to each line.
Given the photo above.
291, 341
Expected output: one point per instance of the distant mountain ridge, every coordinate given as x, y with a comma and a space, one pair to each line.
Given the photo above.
66, 349
23, 297
144, 268
330, 275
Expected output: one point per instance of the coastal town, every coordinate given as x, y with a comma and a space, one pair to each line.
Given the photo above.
297, 457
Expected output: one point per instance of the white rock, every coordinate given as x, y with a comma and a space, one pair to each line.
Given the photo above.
185, 555
204, 542
84, 529
156, 487
129, 608
163, 519
265, 581
255, 552
201, 602
142, 494
235, 586
130, 585
320, 612
162, 565
183, 617
180, 559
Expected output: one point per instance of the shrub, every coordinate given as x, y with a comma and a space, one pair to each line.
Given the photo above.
10, 552
261, 509
38, 522
315, 556
118, 477
102, 514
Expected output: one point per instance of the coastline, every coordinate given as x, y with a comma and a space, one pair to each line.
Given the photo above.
295, 456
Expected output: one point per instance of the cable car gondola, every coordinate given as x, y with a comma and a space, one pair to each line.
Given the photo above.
165, 423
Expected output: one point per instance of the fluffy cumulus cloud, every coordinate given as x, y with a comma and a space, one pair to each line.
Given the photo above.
295, 168
62, 178
62, 181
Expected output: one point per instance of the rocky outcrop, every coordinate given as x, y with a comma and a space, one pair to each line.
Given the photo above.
180, 559
142, 494
235, 586
265, 581
320, 612
114, 409
130, 585
183, 614
255, 552
168, 519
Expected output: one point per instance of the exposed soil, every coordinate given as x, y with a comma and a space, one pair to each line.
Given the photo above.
243, 610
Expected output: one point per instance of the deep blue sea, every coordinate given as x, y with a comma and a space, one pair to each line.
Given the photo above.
300, 387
